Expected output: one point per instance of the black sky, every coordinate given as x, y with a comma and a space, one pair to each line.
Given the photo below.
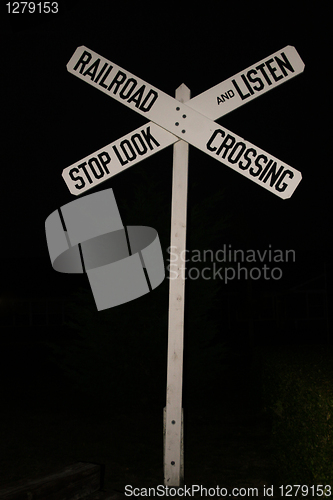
52, 119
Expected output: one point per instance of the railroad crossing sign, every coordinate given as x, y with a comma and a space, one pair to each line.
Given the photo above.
192, 122
181, 122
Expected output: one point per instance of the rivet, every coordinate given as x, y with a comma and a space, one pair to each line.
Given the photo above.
177, 109
173, 422
183, 131
173, 463
184, 116
176, 124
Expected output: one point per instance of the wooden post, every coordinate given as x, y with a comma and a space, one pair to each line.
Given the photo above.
173, 422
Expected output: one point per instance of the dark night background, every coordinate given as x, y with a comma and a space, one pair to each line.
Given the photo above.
52, 119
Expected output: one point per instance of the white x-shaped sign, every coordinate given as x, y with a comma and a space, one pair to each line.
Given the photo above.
192, 122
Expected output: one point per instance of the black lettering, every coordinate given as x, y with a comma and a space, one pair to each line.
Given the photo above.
122, 161
284, 185
246, 156
130, 154
139, 144
257, 163
149, 138
92, 70
247, 84
229, 94
261, 176
83, 166
105, 77
234, 159
71, 175
97, 175
226, 146
105, 161
261, 68
101, 72
117, 81
273, 70
149, 105
137, 96
273, 174
284, 64
209, 143
254, 80
82, 61
241, 95
122, 92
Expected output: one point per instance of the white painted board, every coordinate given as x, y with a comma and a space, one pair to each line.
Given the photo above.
116, 157
248, 84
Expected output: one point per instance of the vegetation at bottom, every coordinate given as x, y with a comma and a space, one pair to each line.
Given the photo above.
298, 394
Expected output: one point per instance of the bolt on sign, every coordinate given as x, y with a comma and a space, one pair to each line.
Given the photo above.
182, 121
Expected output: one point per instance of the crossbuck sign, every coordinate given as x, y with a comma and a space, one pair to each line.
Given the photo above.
192, 122
181, 122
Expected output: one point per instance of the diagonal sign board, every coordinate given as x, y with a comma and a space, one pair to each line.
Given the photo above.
116, 157
180, 121
248, 84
